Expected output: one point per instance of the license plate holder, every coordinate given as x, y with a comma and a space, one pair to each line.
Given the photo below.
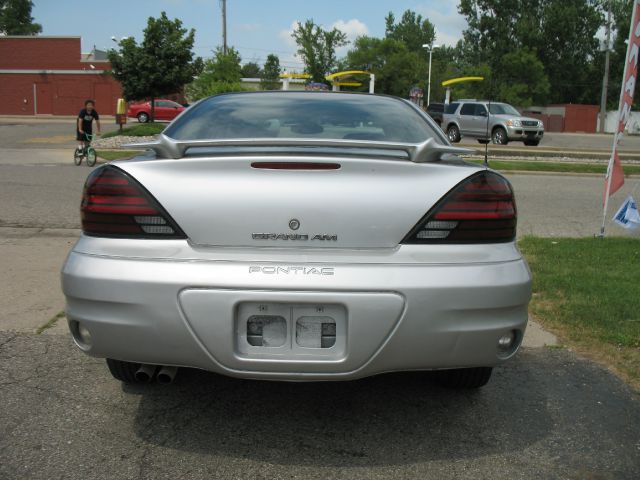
294, 329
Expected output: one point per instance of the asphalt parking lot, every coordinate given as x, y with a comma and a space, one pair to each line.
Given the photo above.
547, 414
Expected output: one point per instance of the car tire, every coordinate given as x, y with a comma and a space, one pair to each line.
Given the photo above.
532, 143
464, 377
499, 136
123, 371
453, 133
143, 117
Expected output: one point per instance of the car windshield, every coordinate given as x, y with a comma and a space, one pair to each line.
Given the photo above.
502, 109
310, 115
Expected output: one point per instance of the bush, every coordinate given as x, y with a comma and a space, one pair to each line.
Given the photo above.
142, 130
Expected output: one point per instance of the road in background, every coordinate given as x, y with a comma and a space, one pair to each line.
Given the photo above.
30, 132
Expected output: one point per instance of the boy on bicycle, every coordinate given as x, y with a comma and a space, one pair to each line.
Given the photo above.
84, 126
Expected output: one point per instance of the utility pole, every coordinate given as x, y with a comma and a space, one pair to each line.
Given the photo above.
430, 47
224, 26
605, 79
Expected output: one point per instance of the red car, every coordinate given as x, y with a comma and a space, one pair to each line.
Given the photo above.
164, 110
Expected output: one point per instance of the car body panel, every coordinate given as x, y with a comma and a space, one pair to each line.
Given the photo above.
378, 200
453, 313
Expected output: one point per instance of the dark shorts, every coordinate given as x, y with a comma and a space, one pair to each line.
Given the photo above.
82, 137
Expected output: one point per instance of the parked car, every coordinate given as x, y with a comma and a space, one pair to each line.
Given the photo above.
164, 110
490, 121
435, 111
262, 248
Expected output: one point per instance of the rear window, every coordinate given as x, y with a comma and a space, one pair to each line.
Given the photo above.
451, 108
311, 115
436, 107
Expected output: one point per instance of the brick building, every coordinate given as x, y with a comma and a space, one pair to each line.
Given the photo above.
42, 75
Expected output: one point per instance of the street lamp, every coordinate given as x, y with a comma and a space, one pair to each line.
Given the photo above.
430, 46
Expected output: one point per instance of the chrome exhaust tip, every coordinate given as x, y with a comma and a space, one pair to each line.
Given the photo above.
145, 373
166, 375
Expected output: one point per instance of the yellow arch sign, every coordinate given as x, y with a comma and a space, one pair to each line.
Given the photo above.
453, 81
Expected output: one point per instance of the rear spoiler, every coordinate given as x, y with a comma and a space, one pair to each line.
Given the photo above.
427, 151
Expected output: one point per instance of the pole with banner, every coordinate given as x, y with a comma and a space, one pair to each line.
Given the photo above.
615, 175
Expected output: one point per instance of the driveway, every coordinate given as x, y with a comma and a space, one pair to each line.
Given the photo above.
547, 414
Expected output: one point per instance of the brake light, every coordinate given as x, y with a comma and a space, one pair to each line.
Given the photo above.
296, 165
481, 209
116, 205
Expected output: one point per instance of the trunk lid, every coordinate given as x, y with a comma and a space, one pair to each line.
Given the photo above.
366, 203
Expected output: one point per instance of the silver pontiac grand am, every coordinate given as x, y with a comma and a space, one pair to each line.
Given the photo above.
298, 236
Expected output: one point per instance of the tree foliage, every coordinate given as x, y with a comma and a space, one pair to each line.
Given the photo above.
270, 76
162, 64
412, 30
220, 74
251, 70
560, 34
395, 67
621, 10
317, 48
16, 19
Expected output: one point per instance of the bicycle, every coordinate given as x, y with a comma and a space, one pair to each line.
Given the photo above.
87, 152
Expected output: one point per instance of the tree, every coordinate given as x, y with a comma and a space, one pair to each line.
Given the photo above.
560, 34
16, 19
412, 30
317, 48
251, 70
220, 74
395, 67
161, 65
621, 23
270, 76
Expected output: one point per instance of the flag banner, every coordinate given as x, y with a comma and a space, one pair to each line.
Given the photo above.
615, 175
628, 215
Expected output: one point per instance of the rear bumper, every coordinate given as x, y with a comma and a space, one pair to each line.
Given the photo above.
397, 316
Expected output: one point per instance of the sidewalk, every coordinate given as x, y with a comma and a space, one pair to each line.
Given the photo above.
37, 156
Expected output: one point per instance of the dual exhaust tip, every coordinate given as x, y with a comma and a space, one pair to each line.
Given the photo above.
165, 375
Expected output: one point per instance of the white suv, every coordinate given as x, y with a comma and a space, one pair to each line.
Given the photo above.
498, 122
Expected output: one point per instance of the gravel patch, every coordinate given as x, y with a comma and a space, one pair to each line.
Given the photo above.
119, 140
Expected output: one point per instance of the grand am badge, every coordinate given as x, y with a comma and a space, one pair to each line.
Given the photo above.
294, 236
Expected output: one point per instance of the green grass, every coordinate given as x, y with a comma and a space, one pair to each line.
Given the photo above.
141, 130
117, 154
51, 323
560, 167
587, 291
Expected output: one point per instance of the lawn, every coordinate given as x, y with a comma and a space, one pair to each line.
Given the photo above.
587, 291
140, 130
117, 154
560, 167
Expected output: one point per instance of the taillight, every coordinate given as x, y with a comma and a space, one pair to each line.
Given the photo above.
116, 205
481, 209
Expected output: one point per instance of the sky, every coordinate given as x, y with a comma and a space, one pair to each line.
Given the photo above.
254, 27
